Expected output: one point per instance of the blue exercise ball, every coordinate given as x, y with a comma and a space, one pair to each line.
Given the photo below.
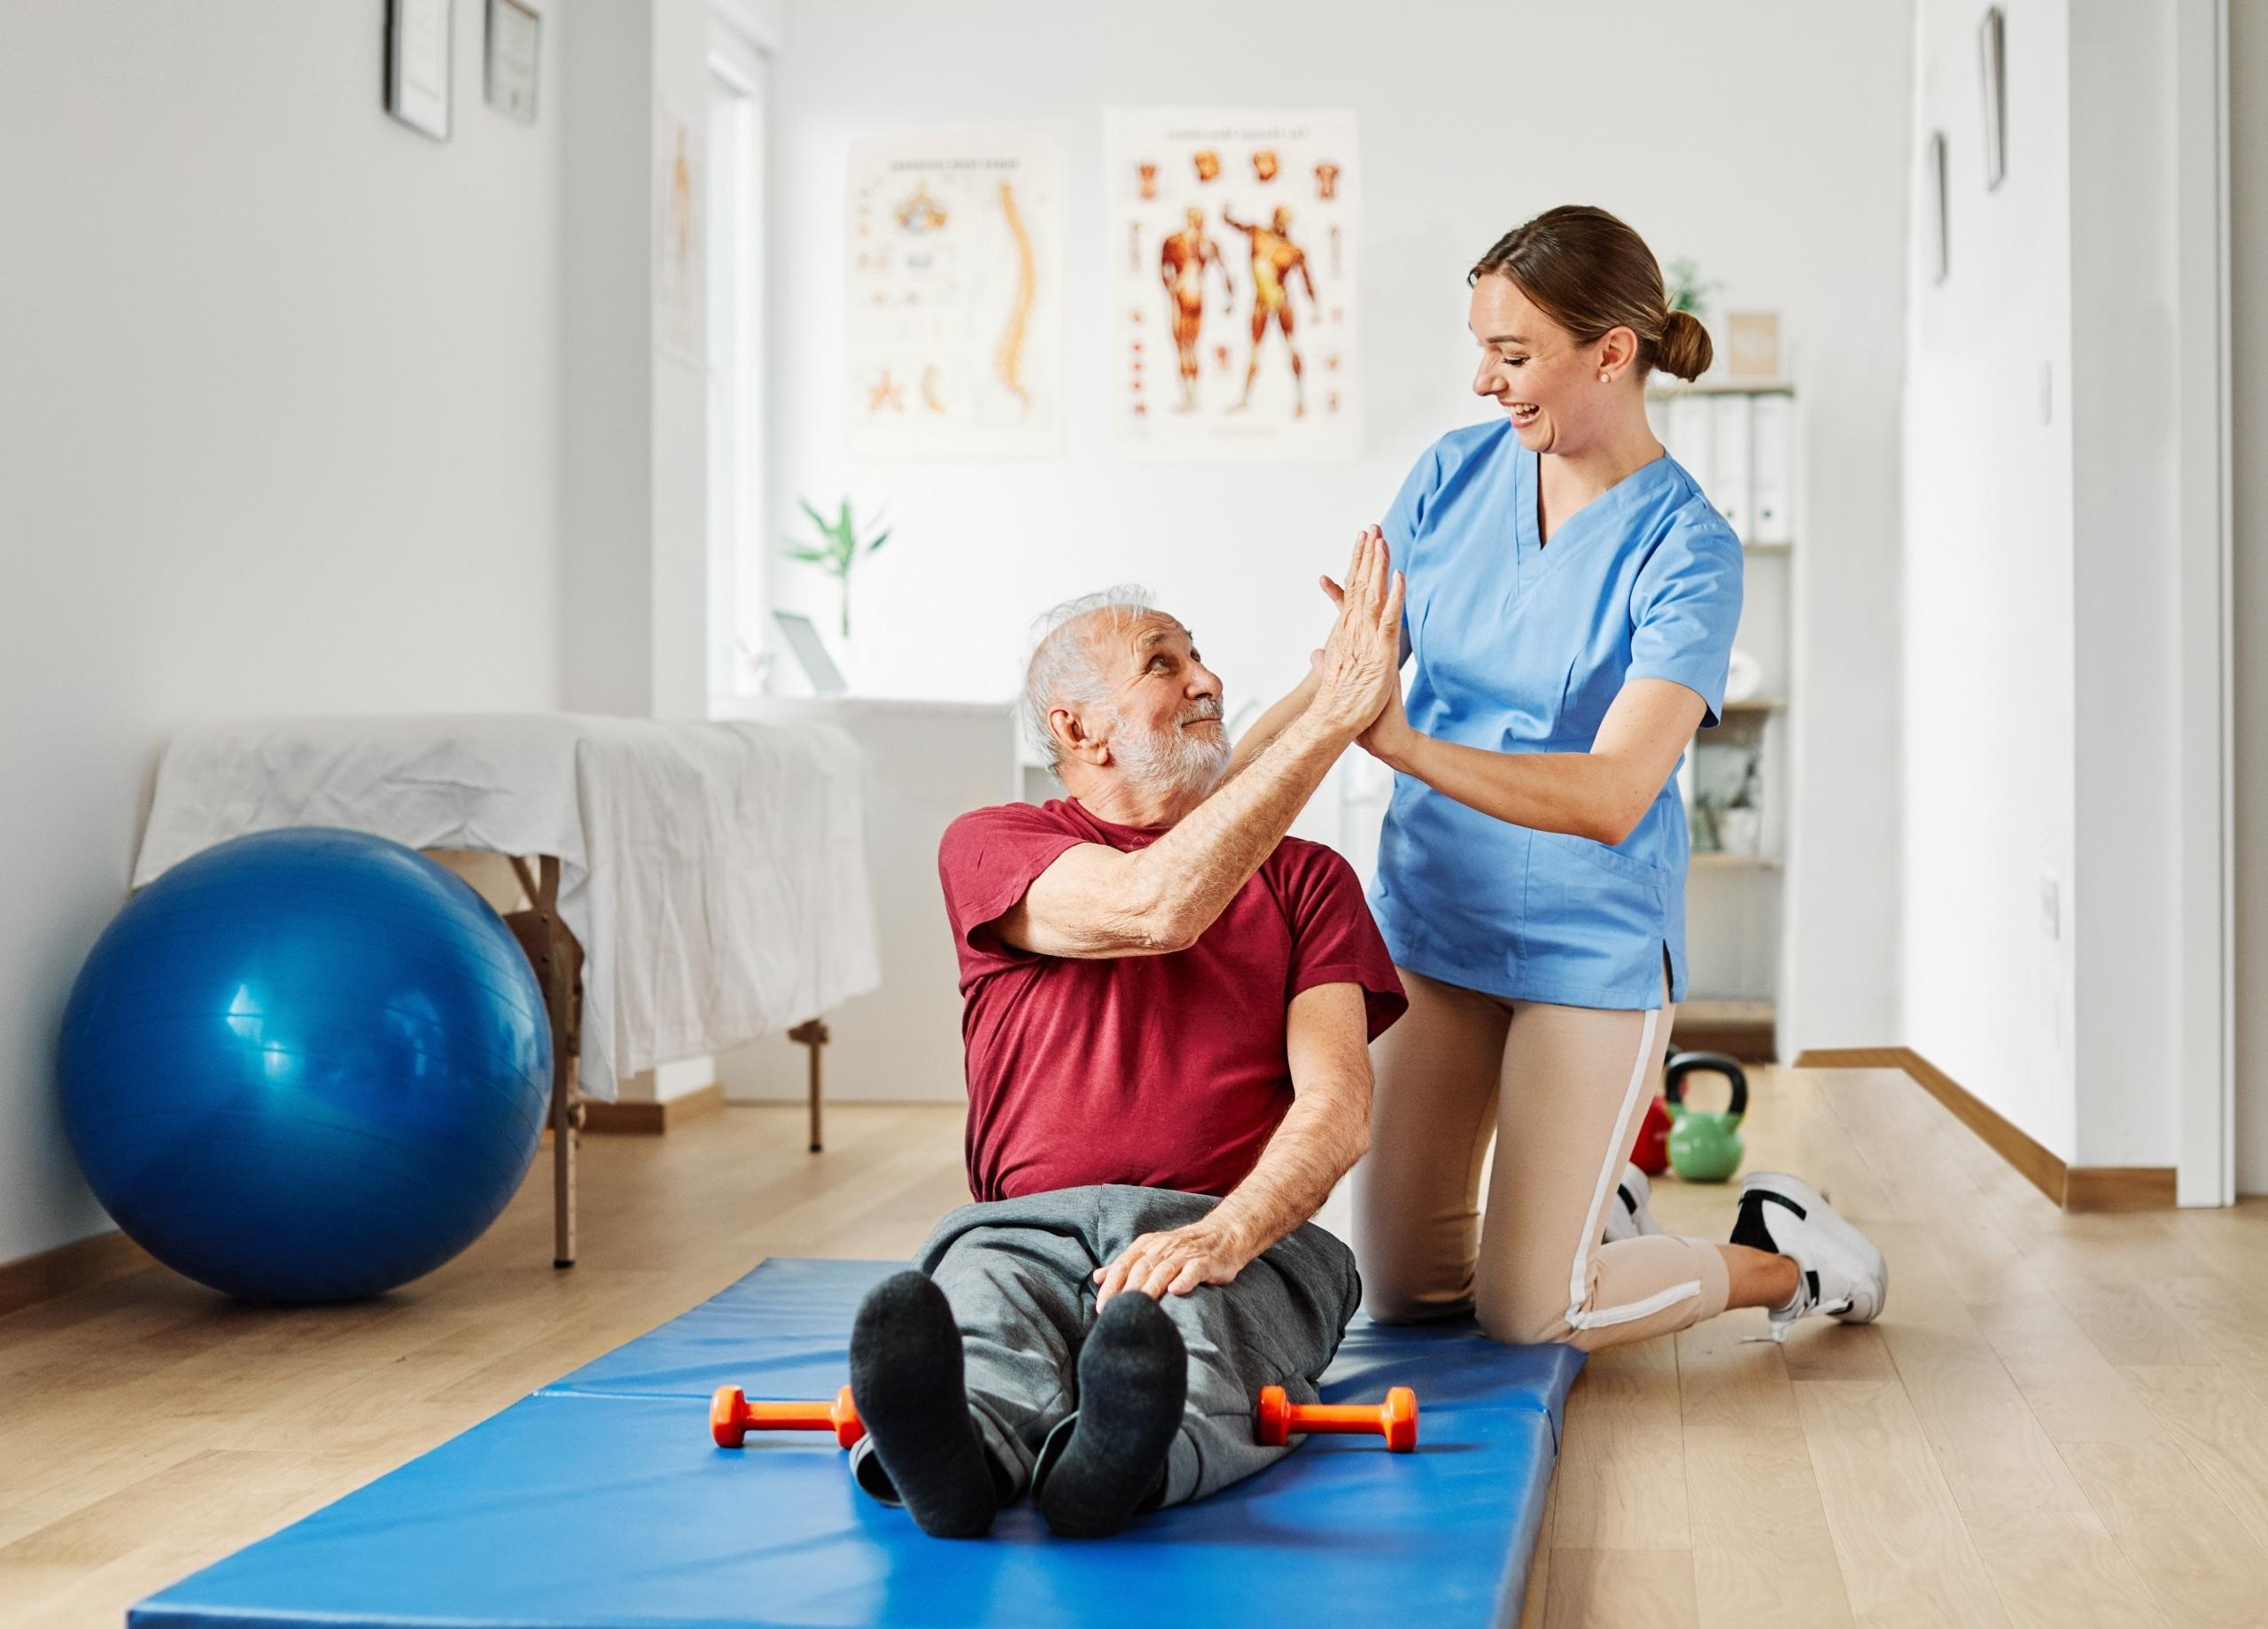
306, 1066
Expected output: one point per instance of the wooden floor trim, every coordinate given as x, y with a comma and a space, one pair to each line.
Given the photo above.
651, 1119
2074, 1188
59, 1271
2119, 1187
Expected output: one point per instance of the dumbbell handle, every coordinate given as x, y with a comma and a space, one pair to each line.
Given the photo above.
1279, 1419
732, 1417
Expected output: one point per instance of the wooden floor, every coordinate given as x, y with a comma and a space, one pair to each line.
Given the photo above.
2064, 1420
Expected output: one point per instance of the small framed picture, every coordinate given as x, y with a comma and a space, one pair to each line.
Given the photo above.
1934, 221
418, 63
515, 38
680, 253
1752, 345
1992, 63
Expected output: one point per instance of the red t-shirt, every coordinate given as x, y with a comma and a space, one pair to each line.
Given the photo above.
1156, 1071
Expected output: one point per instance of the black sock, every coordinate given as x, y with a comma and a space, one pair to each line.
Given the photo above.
906, 1374
1133, 1380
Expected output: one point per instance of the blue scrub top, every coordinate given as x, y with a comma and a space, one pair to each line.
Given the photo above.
1522, 648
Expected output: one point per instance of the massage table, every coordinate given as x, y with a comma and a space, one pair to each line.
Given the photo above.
601, 1502
688, 887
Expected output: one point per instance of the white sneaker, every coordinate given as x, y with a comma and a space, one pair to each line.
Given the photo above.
1839, 1272
1627, 1215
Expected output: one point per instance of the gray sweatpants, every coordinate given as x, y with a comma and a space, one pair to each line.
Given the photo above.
1019, 1274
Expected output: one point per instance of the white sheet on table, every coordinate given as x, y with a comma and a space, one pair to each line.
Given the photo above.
715, 874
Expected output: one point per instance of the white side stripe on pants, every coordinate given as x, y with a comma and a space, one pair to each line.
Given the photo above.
1593, 1219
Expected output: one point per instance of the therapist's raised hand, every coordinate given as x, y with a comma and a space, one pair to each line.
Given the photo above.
1390, 733
1359, 666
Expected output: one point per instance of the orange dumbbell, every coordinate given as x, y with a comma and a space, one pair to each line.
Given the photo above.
1280, 1419
732, 1417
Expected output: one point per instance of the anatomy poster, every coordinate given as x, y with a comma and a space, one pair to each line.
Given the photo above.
953, 296
680, 294
1231, 244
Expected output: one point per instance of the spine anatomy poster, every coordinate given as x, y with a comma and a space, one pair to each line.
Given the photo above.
953, 296
1231, 240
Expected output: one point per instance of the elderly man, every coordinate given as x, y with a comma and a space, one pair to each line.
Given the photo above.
1168, 1004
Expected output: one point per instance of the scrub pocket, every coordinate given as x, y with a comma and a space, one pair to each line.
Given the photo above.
1598, 919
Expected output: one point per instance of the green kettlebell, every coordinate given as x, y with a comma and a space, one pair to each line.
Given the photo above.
1704, 1147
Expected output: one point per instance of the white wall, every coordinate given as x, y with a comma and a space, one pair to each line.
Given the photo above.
1987, 604
2125, 467
2053, 449
1718, 132
2249, 287
605, 67
634, 412
278, 431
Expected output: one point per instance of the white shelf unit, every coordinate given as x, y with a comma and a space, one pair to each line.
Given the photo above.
1742, 441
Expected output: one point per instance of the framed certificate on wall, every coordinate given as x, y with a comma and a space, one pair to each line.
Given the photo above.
418, 63
1992, 60
515, 39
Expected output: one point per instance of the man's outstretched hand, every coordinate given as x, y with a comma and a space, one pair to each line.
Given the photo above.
1360, 663
1388, 733
1176, 1262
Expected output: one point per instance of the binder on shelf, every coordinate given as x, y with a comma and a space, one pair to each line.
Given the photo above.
1684, 778
1772, 496
1686, 433
1732, 470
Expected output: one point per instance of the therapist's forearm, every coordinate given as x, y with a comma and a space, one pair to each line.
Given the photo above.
1583, 794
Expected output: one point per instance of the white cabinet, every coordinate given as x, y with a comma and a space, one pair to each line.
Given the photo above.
1741, 443
930, 762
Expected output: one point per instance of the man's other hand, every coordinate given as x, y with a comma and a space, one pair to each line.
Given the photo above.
1158, 1264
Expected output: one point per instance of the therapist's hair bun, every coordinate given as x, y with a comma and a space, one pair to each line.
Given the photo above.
1683, 351
1589, 273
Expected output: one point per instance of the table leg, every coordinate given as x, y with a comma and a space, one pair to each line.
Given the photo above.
815, 1036
558, 962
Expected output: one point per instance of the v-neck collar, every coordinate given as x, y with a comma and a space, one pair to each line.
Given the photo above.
1527, 493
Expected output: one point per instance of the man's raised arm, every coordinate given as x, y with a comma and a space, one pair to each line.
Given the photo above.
1097, 902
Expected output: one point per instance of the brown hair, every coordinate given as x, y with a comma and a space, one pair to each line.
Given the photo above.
1590, 274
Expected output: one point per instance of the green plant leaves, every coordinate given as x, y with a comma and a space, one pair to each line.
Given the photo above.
841, 547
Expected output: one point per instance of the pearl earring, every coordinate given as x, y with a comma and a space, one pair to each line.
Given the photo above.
1606, 378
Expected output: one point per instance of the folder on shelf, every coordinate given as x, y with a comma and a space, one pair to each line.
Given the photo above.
1686, 432
1733, 472
1772, 496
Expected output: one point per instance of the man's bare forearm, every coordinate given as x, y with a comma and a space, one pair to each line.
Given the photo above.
1320, 1139
1195, 869
1188, 876
1269, 726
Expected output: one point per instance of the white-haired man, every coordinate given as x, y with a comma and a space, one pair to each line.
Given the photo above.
1169, 1007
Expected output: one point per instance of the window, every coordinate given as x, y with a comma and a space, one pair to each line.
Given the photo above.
736, 292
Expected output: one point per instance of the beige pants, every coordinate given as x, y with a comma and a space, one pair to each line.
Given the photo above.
1561, 1090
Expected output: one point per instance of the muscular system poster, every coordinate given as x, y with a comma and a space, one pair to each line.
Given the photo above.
1232, 238
953, 296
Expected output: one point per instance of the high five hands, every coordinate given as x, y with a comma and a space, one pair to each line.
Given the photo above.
1358, 669
1369, 619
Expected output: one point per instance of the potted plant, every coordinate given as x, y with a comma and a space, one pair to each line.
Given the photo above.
840, 549
1686, 289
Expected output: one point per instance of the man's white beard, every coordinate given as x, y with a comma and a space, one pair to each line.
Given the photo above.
1171, 760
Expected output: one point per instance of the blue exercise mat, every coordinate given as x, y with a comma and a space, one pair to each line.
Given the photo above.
600, 1502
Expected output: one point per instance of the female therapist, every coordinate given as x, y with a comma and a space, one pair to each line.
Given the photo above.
1572, 600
